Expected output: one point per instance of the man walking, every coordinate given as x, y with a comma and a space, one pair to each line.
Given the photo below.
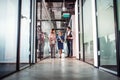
69, 39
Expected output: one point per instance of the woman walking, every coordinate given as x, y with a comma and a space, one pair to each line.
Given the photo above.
60, 39
52, 41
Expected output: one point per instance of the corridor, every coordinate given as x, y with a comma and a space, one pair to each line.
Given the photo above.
61, 69
93, 37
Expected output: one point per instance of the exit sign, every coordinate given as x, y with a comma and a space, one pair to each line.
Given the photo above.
66, 15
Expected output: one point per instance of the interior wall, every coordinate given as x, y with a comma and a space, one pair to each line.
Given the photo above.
88, 31
74, 28
8, 30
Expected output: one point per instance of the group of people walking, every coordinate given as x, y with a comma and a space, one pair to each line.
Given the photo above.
59, 39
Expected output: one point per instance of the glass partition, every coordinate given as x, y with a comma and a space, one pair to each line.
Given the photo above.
106, 34
8, 36
118, 7
44, 26
25, 33
88, 31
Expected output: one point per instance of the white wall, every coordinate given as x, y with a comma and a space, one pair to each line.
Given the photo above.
94, 34
75, 36
75, 29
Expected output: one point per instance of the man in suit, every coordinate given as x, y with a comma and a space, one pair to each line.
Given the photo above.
69, 40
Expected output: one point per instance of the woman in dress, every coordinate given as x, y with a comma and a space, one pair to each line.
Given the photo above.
60, 39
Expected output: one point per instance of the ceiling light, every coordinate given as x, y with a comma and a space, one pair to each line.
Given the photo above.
63, 8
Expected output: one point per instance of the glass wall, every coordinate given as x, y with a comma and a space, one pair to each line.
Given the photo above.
46, 28
106, 34
25, 33
8, 35
88, 31
118, 7
43, 29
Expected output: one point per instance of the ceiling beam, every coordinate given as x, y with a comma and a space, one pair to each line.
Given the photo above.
52, 20
59, 0
60, 28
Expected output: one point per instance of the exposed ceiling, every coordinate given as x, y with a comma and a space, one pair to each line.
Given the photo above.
56, 11
59, 0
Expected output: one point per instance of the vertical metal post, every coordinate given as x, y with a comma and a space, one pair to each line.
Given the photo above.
98, 42
18, 35
83, 32
117, 34
79, 27
30, 32
40, 27
36, 33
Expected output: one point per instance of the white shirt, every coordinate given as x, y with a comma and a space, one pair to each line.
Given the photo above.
68, 32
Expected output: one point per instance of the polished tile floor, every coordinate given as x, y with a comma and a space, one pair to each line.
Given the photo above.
61, 69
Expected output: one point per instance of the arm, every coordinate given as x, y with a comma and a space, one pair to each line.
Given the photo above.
63, 38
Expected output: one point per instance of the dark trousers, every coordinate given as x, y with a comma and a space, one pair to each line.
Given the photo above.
41, 50
52, 46
70, 51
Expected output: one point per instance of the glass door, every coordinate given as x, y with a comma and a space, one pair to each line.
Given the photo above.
8, 36
88, 31
43, 30
106, 35
118, 12
118, 31
25, 33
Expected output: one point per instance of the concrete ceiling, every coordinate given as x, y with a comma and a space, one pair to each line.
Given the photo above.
56, 11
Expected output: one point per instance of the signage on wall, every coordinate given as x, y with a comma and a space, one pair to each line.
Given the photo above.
66, 15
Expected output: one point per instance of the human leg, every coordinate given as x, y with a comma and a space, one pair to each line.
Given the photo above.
51, 48
60, 52
71, 48
54, 50
68, 45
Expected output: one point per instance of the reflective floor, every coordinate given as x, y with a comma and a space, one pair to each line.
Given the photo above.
61, 69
